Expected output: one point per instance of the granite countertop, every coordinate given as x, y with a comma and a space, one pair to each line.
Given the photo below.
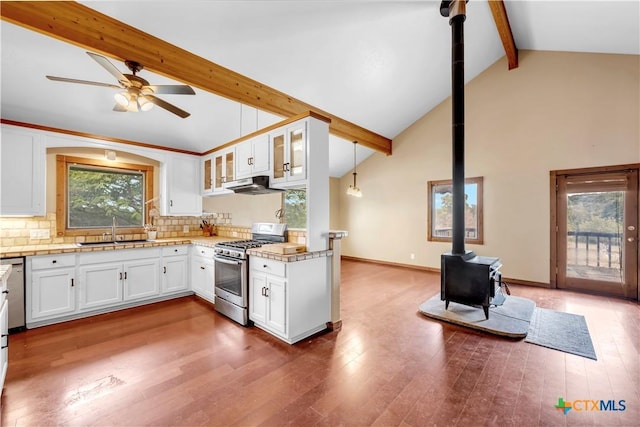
301, 256
61, 248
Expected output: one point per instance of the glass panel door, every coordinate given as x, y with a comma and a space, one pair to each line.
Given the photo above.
278, 156
219, 172
296, 152
229, 167
597, 232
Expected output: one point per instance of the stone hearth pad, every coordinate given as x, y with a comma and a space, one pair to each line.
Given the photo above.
511, 319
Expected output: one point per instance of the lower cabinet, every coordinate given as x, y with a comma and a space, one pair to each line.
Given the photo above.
175, 270
4, 340
108, 284
53, 286
203, 272
268, 302
290, 300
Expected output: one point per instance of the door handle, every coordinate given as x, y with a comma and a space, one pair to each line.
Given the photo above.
164, 270
120, 275
125, 275
72, 284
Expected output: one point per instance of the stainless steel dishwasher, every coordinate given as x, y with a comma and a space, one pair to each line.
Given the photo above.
15, 297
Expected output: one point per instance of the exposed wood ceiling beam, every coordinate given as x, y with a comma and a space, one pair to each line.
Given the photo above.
504, 29
82, 26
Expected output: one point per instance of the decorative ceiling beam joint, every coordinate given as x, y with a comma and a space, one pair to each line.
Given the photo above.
501, 19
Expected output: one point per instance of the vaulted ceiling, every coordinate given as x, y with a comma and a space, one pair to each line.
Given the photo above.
376, 65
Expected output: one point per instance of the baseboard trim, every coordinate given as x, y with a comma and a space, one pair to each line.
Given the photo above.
391, 264
509, 280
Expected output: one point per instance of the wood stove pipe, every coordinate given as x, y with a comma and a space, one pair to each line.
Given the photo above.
456, 11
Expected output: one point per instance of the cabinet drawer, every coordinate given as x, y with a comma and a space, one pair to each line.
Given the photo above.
175, 250
53, 261
268, 266
203, 251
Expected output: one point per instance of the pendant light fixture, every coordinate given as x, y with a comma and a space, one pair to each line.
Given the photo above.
353, 190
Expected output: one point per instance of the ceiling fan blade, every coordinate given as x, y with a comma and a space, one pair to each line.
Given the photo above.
84, 82
107, 65
172, 89
169, 107
120, 108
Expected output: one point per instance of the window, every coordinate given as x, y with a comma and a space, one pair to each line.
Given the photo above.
439, 217
90, 193
295, 208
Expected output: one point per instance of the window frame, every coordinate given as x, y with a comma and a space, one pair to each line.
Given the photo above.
62, 167
480, 212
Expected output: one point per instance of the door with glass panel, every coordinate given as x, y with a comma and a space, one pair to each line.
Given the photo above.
597, 231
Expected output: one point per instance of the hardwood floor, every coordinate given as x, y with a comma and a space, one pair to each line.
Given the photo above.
181, 363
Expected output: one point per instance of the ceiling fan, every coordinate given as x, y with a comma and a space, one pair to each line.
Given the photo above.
138, 94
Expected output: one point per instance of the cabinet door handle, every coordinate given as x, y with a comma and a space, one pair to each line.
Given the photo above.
266, 292
72, 284
120, 275
125, 275
54, 261
164, 270
201, 268
6, 291
263, 291
171, 203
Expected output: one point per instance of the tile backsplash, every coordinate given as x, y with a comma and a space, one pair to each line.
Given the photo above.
23, 231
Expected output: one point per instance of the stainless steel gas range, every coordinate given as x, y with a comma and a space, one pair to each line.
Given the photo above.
232, 269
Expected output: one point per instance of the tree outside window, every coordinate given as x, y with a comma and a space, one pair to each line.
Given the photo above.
91, 192
440, 209
295, 208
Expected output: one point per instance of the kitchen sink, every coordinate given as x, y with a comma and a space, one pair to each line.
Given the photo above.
119, 242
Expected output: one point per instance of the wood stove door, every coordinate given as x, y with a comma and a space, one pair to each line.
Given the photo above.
597, 232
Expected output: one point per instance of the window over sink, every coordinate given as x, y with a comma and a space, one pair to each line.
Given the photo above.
91, 192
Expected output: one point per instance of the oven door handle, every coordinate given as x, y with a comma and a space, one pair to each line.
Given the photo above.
226, 261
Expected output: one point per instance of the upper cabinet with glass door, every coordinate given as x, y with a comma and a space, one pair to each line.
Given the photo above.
289, 148
218, 168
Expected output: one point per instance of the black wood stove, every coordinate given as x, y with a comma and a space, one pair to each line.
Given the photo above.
465, 278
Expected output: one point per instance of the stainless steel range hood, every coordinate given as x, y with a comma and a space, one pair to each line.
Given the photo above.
253, 185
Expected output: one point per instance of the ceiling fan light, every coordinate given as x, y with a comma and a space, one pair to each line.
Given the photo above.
122, 98
144, 104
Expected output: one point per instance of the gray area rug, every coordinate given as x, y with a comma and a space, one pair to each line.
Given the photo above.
561, 331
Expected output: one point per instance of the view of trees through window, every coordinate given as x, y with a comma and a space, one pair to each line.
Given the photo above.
96, 195
295, 208
441, 210
596, 211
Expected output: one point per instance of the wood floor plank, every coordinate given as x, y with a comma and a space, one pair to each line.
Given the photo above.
179, 363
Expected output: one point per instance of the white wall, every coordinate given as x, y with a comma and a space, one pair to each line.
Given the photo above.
557, 110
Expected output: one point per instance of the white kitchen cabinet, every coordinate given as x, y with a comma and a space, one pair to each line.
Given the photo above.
218, 168
252, 157
175, 261
141, 279
289, 158
203, 272
183, 196
289, 300
4, 334
116, 277
100, 285
22, 173
51, 291
268, 302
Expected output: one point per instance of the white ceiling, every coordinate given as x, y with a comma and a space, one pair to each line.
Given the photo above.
379, 64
